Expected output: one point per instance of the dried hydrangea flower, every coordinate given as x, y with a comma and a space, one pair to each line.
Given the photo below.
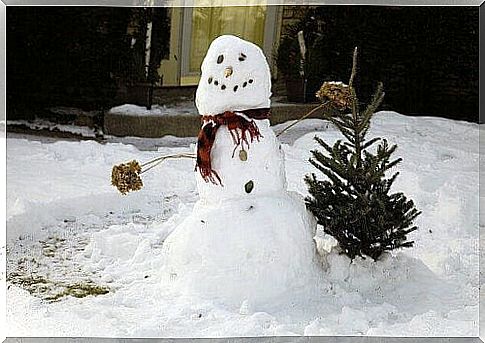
126, 177
337, 93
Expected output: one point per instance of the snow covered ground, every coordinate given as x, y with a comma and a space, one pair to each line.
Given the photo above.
41, 124
82, 260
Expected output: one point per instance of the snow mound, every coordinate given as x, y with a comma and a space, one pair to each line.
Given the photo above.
255, 249
41, 124
156, 110
393, 290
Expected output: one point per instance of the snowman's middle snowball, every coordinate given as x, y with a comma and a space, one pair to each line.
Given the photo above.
243, 130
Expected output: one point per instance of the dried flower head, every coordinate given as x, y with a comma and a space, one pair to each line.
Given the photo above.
337, 93
126, 177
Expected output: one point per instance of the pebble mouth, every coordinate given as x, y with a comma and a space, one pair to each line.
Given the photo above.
223, 87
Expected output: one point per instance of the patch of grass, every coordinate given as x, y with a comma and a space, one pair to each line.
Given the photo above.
54, 290
79, 290
27, 281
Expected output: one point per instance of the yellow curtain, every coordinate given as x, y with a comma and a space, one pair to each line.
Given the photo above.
210, 22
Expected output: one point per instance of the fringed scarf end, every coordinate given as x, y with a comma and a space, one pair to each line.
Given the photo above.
210, 175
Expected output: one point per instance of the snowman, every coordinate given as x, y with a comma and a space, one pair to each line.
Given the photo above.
247, 240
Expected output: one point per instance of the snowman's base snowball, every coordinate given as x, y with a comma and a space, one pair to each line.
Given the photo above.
258, 249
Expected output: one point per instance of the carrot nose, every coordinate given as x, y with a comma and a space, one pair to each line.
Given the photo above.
228, 71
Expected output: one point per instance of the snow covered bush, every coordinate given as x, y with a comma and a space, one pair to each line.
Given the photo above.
354, 203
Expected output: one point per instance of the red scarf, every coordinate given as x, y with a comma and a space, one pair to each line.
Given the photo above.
233, 121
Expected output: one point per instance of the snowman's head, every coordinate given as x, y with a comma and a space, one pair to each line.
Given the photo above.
235, 76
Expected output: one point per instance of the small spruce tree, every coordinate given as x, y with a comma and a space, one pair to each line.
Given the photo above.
354, 203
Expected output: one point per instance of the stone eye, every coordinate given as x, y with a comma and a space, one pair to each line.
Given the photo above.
242, 57
220, 59
210, 80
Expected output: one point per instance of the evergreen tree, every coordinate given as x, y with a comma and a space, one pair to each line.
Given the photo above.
354, 203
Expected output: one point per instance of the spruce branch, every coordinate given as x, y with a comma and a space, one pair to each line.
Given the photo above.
354, 68
374, 104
